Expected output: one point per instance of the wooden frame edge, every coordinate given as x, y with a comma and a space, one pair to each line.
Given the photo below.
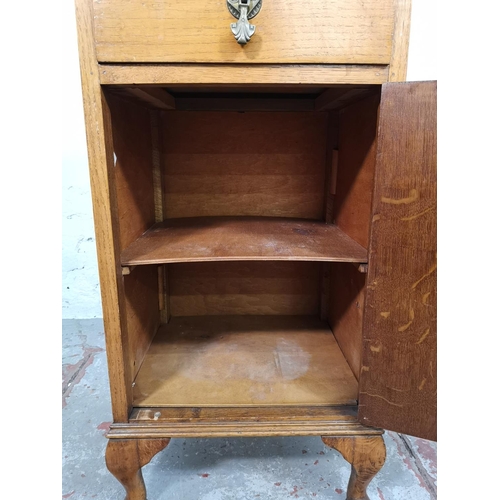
100, 157
161, 422
241, 74
150, 431
400, 41
243, 428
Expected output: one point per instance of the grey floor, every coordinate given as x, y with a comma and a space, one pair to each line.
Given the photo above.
214, 469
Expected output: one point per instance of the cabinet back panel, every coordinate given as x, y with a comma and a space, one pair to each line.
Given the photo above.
247, 288
253, 163
331, 165
356, 168
133, 168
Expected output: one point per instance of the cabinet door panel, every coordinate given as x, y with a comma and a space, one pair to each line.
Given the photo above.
398, 374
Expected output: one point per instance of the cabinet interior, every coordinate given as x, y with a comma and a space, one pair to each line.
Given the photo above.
242, 220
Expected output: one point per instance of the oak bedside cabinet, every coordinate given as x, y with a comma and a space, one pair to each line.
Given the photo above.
264, 192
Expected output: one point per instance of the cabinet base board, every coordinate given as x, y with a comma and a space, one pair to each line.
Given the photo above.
149, 423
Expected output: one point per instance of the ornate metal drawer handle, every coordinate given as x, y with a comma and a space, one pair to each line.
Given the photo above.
243, 10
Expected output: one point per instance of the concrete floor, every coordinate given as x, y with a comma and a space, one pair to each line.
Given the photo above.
214, 469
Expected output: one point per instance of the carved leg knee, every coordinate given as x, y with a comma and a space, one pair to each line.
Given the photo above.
366, 454
126, 457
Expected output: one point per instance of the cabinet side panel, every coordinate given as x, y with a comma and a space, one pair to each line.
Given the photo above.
132, 142
398, 374
143, 315
356, 168
345, 313
247, 288
100, 153
254, 163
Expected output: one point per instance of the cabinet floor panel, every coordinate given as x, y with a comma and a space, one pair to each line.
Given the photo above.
244, 361
197, 239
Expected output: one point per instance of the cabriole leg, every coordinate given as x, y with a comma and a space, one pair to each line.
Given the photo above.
124, 459
366, 454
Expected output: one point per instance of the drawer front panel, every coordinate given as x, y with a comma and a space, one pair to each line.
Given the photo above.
198, 31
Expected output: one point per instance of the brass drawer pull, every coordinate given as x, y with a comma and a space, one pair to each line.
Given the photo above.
243, 10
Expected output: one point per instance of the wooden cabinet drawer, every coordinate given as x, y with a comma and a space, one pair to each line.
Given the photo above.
198, 31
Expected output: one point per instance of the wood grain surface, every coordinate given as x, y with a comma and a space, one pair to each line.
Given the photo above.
248, 288
340, 31
142, 312
102, 180
126, 457
244, 103
331, 165
401, 41
398, 376
366, 454
135, 200
345, 311
340, 97
133, 168
157, 166
198, 239
158, 98
249, 421
229, 163
206, 415
244, 361
356, 168
242, 74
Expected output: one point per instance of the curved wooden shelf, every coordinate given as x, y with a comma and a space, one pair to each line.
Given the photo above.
200, 239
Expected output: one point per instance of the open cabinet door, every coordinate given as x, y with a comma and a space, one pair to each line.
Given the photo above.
398, 374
